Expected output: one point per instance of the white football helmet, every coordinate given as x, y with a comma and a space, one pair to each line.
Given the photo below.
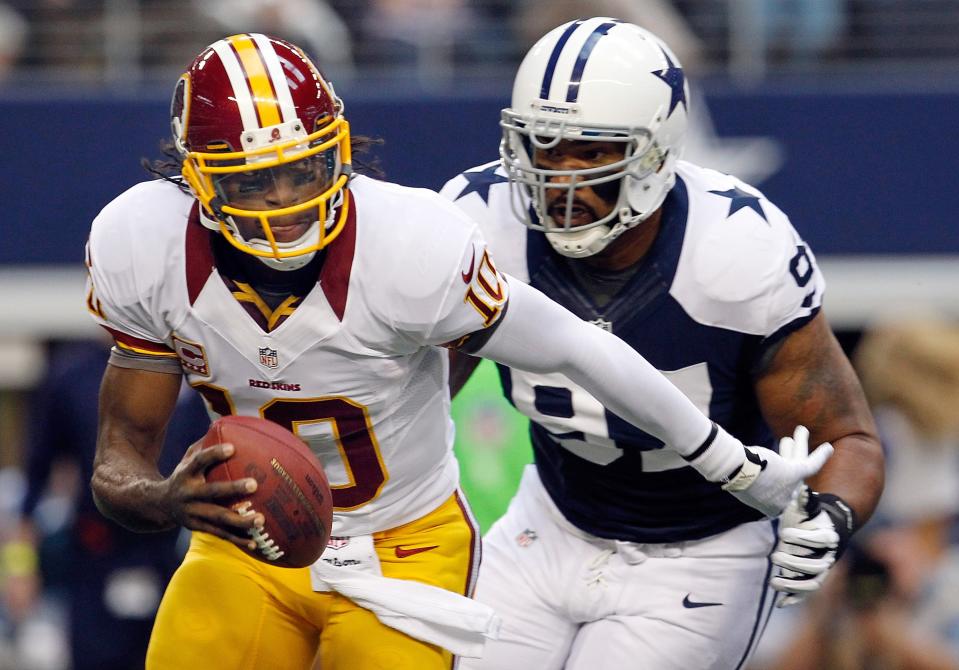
595, 79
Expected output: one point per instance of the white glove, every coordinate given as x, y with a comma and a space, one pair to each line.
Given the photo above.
768, 481
814, 531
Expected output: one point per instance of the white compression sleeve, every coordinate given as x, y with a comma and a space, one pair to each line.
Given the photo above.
538, 335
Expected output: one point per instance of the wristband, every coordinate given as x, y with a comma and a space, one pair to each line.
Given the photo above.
744, 476
842, 515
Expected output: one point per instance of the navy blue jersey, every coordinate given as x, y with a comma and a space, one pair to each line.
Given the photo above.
726, 278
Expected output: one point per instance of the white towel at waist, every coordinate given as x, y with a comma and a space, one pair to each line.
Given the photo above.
425, 612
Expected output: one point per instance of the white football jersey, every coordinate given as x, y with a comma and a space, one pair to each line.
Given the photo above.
354, 370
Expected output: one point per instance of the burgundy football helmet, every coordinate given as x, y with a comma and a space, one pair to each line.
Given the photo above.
265, 148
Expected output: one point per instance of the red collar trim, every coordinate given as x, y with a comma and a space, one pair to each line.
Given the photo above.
335, 275
199, 254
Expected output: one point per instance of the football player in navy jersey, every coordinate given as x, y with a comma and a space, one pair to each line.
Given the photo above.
614, 553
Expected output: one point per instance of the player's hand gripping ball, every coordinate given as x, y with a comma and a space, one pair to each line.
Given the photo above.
292, 492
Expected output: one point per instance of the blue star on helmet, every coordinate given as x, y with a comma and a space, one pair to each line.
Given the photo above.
739, 199
676, 80
479, 182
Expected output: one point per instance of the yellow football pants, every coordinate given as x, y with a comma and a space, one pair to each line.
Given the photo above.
224, 610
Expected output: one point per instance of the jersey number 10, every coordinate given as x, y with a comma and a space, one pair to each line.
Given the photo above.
351, 428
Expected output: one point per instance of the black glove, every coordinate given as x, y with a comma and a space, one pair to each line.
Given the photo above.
814, 532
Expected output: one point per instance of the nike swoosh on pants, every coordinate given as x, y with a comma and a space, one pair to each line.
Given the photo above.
690, 604
401, 552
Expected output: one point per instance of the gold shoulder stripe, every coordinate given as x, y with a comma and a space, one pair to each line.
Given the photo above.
147, 352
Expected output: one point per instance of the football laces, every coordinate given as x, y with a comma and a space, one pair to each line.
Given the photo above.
264, 544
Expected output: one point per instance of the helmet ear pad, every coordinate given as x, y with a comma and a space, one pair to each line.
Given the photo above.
646, 195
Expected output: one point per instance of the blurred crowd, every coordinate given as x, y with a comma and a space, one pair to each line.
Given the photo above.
119, 41
78, 591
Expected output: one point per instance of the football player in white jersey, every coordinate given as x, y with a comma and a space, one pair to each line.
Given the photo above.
614, 553
285, 286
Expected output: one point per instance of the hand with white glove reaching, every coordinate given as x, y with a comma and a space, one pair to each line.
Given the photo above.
813, 533
757, 476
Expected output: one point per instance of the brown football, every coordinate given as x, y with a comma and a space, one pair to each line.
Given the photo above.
292, 491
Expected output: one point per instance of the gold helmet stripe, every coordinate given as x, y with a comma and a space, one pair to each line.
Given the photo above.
280, 85
241, 91
264, 97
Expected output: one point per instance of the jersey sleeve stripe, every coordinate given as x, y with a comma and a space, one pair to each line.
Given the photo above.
139, 346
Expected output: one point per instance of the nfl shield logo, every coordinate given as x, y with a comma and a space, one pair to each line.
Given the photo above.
337, 542
526, 538
268, 357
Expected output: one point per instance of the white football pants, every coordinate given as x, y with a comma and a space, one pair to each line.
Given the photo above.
571, 600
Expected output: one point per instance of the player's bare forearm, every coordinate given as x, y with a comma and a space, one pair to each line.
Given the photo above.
134, 501
855, 473
135, 406
810, 381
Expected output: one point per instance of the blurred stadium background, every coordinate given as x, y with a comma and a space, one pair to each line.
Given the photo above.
845, 112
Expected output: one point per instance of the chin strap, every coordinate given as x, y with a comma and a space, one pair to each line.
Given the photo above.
590, 245
216, 204
580, 244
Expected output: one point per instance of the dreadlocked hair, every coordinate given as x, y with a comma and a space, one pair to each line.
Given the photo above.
169, 166
367, 163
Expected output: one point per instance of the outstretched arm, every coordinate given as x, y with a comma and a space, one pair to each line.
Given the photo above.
135, 406
538, 335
